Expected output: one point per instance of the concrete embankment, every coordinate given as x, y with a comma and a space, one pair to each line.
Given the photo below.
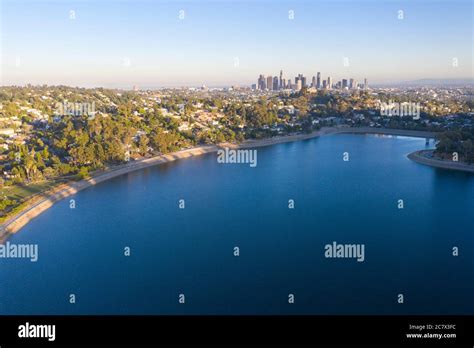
388, 131
335, 130
425, 157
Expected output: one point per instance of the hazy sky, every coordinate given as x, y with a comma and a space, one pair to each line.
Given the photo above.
120, 43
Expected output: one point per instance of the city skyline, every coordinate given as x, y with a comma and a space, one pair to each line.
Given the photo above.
117, 44
282, 82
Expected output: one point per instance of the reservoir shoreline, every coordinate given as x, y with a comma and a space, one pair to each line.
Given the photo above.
424, 157
44, 201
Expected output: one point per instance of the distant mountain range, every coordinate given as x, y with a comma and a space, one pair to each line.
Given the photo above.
431, 82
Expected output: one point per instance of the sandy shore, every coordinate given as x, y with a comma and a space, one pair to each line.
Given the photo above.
42, 202
424, 157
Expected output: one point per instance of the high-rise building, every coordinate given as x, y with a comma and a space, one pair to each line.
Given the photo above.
351, 83
261, 84
275, 83
329, 82
318, 80
365, 84
269, 82
303, 81
300, 79
325, 84
313, 81
299, 84
344, 83
281, 80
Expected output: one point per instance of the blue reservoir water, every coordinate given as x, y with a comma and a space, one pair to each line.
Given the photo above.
190, 251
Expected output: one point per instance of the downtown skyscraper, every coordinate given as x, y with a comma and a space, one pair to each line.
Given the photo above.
278, 82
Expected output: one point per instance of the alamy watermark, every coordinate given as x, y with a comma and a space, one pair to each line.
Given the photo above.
347, 251
400, 109
75, 109
227, 155
20, 251
28, 330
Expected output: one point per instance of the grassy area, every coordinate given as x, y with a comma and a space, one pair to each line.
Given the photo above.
20, 194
